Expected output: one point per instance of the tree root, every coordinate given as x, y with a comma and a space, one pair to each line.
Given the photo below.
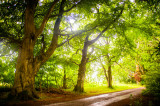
79, 89
24, 95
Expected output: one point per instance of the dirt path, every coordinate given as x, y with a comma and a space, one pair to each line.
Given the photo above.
113, 99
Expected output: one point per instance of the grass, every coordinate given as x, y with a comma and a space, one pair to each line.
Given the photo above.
95, 89
104, 89
90, 90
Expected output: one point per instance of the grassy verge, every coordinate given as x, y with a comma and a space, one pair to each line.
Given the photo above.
104, 89
58, 95
95, 90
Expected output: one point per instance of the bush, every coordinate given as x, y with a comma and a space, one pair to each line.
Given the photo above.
152, 81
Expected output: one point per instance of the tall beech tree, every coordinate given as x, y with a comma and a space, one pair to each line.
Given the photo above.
112, 52
108, 71
109, 58
27, 26
89, 41
27, 63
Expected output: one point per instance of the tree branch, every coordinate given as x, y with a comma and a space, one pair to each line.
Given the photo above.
75, 34
70, 38
70, 8
4, 35
96, 58
117, 63
45, 19
104, 69
8, 54
106, 28
88, 56
74, 62
45, 56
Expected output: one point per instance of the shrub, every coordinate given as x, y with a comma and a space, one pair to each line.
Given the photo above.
152, 81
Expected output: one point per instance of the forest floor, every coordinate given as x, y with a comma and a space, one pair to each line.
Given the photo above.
131, 97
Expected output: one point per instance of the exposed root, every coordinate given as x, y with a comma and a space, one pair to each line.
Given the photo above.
79, 89
24, 95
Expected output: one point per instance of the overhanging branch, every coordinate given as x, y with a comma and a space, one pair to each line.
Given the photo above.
77, 33
106, 28
5, 36
46, 17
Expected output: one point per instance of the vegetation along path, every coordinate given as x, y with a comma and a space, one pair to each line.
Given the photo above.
104, 99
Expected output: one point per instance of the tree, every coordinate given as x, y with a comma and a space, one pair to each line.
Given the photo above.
149, 46
85, 56
28, 66
27, 63
108, 72
150, 58
112, 51
29, 28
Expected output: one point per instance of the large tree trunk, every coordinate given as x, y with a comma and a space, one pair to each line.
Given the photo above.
26, 70
82, 69
27, 66
81, 77
24, 82
109, 71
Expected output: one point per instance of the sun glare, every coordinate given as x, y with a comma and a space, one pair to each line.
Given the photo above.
71, 20
132, 0
94, 75
74, 26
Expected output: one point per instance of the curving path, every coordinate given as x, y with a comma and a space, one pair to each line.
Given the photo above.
102, 100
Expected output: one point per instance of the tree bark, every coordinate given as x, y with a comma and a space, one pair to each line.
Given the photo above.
82, 66
81, 77
108, 74
109, 77
26, 70
109, 71
82, 69
27, 65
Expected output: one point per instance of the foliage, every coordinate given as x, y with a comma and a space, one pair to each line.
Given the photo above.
153, 83
7, 65
101, 89
133, 39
